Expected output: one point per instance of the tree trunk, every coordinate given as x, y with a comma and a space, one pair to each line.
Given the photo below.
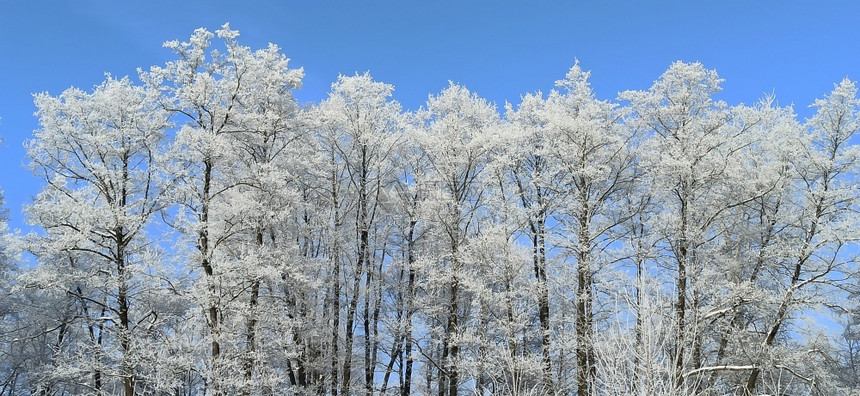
213, 318
374, 324
335, 287
585, 370
539, 252
350, 331
410, 309
452, 350
124, 321
251, 328
639, 356
681, 302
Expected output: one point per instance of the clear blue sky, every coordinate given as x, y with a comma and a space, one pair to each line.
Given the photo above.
499, 49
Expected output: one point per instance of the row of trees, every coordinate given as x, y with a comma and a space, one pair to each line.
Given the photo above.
202, 233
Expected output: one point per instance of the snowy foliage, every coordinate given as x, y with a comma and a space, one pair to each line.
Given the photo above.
202, 233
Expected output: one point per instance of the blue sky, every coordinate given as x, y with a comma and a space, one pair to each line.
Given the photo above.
499, 49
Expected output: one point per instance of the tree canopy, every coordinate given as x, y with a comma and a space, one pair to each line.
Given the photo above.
203, 233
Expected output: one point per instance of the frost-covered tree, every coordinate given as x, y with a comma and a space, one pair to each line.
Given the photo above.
573, 164
533, 179
816, 255
694, 171
456, 129
98, 155
238, 132
360, 127
593, 152
408, 205
13, 361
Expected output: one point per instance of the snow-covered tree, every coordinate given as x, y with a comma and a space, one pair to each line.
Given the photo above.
456, 132
407, 200
816, 256
98, 155
593, 152
694, 171
13, 359
360, 128
573, 164
232, 155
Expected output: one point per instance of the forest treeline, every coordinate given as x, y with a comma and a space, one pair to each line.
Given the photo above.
201, 233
